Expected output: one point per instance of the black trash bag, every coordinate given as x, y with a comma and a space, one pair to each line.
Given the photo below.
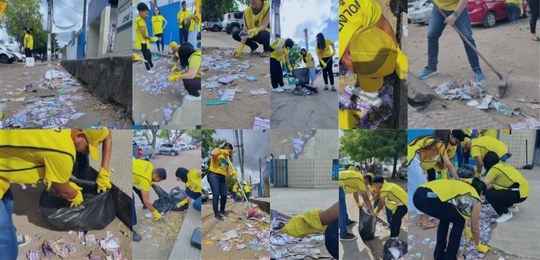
95, 213
302, 75
466, 171
366, 226
394, 249
169, 201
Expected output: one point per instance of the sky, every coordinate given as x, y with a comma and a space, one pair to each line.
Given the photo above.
315, 15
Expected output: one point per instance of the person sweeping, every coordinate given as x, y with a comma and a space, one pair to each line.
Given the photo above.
219, 168
325, 51
256, 28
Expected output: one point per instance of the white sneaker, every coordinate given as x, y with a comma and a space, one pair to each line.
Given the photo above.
151, 71
192, 98
278, 90
513, 209
22, 240
505, 217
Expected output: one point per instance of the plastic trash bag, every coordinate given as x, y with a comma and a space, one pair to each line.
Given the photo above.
302, 75
366, 226
95, 213
466, 171
169, 201
394, 249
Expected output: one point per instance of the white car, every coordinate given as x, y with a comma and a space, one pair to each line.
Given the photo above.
335, 67
233, 22
421, 12
7, 56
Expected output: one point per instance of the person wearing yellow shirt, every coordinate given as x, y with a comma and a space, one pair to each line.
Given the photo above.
191, 75
310, 64
423, 153
506, 187
28, 42
256, 28
235, 192
144, 175
484, 144
142, 39
464, 148
375, 193
158, 24
513, 10
325, 51
195, 26
451, 139
174, 48
279, 56
393, 193
183, 23
193, 182
219, 168
452, 201
29, 156
351, 181
247, 189
456, 15
81, 170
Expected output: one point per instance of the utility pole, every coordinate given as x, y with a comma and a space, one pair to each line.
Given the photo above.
306, 39
242, 152
49, 28
276, 5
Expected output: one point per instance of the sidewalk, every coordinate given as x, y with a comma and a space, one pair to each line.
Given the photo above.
182, 248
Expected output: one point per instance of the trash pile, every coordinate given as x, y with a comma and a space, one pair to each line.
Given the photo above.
300, 141
287, 247
162, 233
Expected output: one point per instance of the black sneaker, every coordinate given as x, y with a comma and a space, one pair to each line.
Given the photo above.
219, 217
224, 214
347, 237
351, 222
136, 237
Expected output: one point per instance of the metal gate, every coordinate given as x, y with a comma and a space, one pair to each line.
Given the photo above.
279, 173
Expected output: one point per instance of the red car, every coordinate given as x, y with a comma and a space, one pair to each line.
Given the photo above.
488, 12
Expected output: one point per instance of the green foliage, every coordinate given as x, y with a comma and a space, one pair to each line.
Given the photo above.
25, 14
215, 9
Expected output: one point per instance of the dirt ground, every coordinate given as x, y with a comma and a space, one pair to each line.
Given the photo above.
240, 113
159, 236
14, 99
506, 46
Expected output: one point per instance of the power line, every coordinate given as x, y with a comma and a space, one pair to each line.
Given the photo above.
73, 8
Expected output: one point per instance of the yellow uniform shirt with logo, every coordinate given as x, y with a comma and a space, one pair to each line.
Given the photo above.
393, 193
247, 188
194, 182
327, 51
157, 24
447, 5
142, 174
448, 190
451, 152
275, 53
182, 15
252, 20
27, 156
195, 61
503, 176
426, 162
351, 181
139, 39
309, 61
490, 132
29, 41
484, 144
219, 164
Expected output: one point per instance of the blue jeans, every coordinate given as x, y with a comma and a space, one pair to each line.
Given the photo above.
197, 203
9, 247
218, 185
386, 210
343, 216
197, 198
235, 196
436, 27
133, 211
513, 11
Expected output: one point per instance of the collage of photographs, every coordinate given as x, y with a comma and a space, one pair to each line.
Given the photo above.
269, 129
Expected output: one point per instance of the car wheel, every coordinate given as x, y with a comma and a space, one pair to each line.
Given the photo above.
171, 153
215, 28
234, 28
490, 19
4, 59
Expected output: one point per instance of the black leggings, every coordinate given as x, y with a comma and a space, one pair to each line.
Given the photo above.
147, 56
535, 9
276, 73
262, 38
447, 214
327, 71
81, 169
395, 224
160, 41
431, 174
27, 52
185, 34
501, 200
193, 86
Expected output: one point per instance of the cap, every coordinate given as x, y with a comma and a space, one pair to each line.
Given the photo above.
94, 138
173, 45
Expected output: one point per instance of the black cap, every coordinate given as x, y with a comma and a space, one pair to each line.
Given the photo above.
162, 173
479, 185
142, 7
378, 179
181, 173
490, 159
458, 134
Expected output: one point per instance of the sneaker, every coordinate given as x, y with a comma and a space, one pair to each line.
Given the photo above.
514, 209
426, 73
278, 90
333, 89
151, 71
136, 237
224, 214
505, 217
325, 88
347, 237
22, 240
192, 98
351, 222
219, 217
479, 75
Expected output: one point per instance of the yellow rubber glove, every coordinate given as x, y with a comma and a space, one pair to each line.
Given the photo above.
468, 233
78, 199
239, 50
402, 65
103, 180
156, 214
182, 203
252, 33
136, 57
482, 248
174, 68
323, 64
175, 76
304, 224
289, 67
153, 39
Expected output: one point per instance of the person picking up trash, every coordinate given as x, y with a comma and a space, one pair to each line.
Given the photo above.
82, 162
481, 145
389, 206
351, 181
393, 193
144, 175
256, 28
193, 182
310, 64
452, 201
506, 187
325, 51
142, 40
451, 140
191, 75
279, 56
370, 48
219, 168
28, 156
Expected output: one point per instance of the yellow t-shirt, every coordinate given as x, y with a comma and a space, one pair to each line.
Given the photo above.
219, 164
327, 52
428, 158
195, 61
157, 24
247, 188
275, 53
139, 39
235, 188
393, 193
484, 144
310, 63
194, 182
29, 41
351, 181
182, 15
447, 190
27, 156
142, 174
447, 5
252, 20
503, 176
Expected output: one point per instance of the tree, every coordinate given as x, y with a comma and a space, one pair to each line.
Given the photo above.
151, 136
24, 14
215, 9
362, 145
170, 135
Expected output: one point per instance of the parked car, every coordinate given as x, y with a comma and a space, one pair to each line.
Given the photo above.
233, 22
183, 146
420, 12
142, 151
214, 26
205, 195
488, 12
335, 67
7, 56
170, 149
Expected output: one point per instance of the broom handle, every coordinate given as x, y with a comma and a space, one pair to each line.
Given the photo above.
526, 152
239, 184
